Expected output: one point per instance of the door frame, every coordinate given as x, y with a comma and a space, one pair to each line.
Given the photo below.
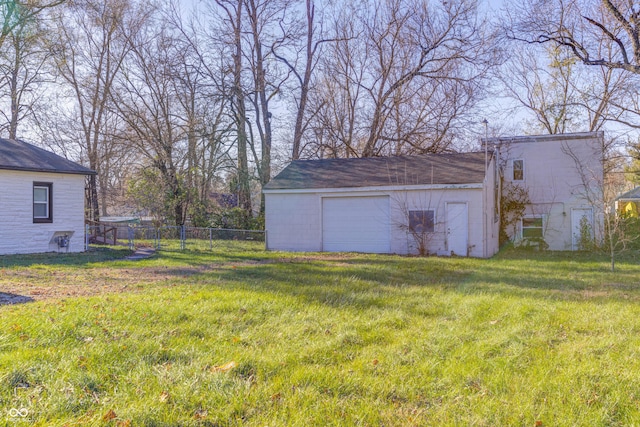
448, 230
573, 236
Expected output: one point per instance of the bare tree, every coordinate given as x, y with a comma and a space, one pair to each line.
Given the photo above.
149, 103
89, 48
302, 64
401, 77
204, 95
22, 73
597, 32
232, 19
15, 13
264, 17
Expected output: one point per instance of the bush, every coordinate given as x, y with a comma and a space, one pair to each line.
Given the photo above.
238, 219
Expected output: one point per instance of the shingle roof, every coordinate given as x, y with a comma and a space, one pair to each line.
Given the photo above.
19, 155
633, 194
459, 168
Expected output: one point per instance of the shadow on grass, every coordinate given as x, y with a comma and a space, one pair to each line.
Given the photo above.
11, 299
367, 280
93, 255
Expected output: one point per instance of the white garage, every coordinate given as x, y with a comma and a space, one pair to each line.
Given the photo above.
372, 204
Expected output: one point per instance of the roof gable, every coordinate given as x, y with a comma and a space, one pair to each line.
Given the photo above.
430, 169
19, 155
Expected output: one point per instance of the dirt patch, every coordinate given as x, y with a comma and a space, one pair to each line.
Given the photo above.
22, 285
33, 284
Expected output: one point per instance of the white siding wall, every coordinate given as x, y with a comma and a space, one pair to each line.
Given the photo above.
403, 243
18, 233
560, 172
294, 223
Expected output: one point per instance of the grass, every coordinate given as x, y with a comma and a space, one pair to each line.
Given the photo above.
239, 336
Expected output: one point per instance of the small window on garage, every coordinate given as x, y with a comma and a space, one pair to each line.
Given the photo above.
532, 228
518, 170
42, 202
421, 221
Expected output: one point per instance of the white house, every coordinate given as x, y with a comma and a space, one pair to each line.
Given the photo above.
41, 200
445, 202
563, 176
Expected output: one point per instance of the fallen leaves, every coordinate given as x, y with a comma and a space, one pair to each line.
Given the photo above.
110, 415
165, 397
224, 368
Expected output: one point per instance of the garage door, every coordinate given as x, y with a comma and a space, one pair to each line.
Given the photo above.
356, 224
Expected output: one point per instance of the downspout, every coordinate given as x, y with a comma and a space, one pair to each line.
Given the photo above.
484, 190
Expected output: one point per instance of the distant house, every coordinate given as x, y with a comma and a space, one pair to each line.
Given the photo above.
445, 202
628, 203
563, 176
42, 199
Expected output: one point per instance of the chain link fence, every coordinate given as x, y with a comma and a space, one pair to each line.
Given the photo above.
169, 238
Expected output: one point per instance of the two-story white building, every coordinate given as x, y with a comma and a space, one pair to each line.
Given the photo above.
563, 177
42, 199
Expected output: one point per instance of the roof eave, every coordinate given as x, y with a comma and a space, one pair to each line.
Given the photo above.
467, 186
42, 170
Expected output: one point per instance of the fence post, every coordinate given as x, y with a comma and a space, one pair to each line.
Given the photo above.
87, 230
156, 238
210, 238
130, 235
183, 236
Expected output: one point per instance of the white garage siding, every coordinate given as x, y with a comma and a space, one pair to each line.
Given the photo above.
373, 221
292, 222
356, 224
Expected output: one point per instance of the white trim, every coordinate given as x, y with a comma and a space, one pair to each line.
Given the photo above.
376, 189
45, 202
520, 231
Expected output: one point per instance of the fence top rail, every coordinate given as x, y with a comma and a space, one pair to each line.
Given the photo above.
225, 229
195, 228
172, 227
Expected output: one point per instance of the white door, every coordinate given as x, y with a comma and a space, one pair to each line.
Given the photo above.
356, 224
457, 228
577, 222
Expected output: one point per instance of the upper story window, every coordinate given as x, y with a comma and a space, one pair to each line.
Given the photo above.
42, 202
518, 170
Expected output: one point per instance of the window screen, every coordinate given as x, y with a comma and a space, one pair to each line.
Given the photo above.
421, 221
42, 202
532, 227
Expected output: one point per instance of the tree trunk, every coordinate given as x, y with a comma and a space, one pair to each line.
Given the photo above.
243, 190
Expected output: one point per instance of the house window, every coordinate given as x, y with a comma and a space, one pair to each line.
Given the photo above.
518, 170
421, 221
42, 202
532, 228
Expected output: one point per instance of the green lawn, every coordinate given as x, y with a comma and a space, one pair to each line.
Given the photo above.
239, 336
